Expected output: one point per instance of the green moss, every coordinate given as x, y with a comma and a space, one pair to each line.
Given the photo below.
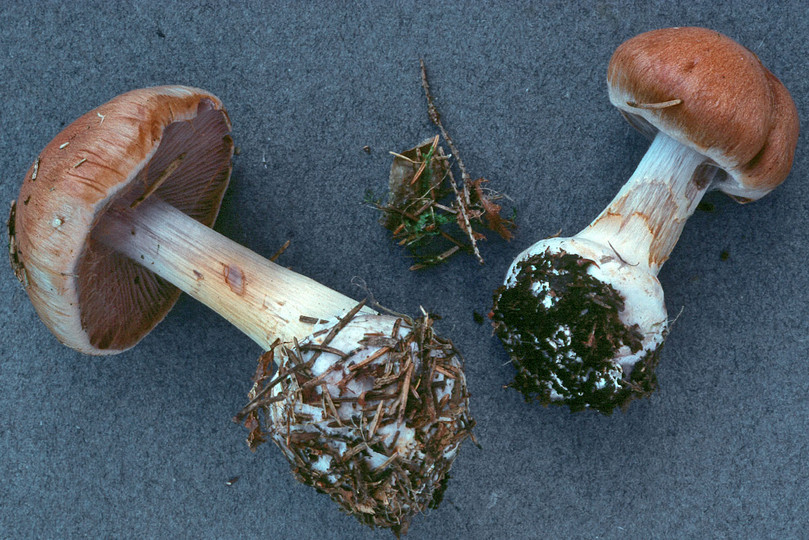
561, 327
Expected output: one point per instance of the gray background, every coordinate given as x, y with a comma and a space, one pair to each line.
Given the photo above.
142, 444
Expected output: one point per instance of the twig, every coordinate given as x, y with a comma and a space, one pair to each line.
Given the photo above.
371, 301
159, 182
280, 251
437, 259
256, 401
463, 202
36, 169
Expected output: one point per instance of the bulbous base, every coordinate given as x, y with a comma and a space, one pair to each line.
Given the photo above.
582, 326
370, 411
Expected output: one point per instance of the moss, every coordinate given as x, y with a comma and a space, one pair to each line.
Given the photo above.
561, 327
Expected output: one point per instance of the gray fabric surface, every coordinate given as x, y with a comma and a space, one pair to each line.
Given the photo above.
142, 445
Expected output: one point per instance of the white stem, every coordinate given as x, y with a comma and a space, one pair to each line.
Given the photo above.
644, 220
264, 300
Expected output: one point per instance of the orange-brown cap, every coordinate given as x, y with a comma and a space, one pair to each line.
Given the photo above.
172, 142
712, 94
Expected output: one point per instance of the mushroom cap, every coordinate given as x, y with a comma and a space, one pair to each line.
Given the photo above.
171, 142
712, 94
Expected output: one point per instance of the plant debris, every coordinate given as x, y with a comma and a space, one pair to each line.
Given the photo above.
428, 211
13, 250
371, 413
562, 329
232, 481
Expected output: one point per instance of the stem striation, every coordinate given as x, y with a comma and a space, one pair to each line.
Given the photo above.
264, 300
645, 219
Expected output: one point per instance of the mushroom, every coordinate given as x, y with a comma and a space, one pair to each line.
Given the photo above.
113, 221
583, 318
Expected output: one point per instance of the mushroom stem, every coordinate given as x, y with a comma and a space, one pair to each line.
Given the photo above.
583, 318
645, 219
264, 300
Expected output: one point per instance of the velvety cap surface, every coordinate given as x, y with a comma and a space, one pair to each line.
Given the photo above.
712, 94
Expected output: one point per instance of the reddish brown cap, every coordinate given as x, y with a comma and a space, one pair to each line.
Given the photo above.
170, 141
712, 94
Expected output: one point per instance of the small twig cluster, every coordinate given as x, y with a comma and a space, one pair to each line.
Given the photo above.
428, 211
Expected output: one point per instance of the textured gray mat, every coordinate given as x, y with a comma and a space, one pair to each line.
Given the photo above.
141, 445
